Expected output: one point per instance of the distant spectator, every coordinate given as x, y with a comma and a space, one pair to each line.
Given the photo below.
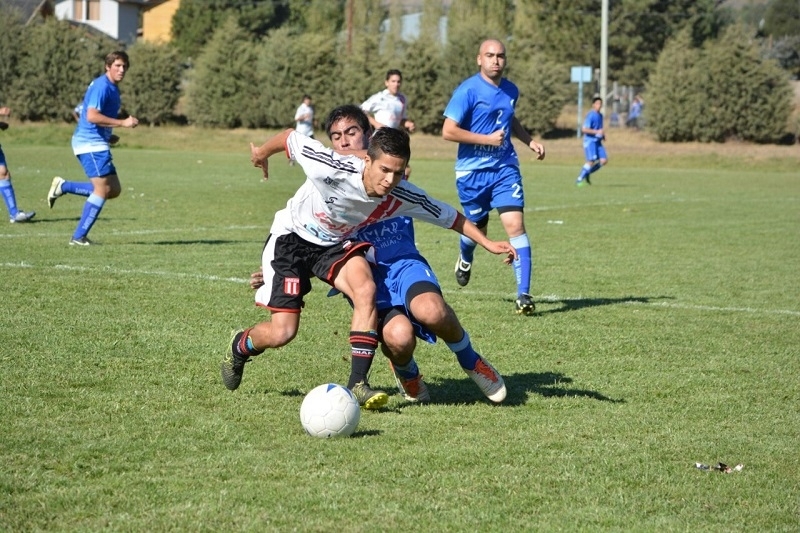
635, 112
304, 117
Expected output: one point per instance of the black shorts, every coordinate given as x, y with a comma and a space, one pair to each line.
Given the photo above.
288, 263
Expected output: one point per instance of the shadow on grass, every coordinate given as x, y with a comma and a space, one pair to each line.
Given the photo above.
576, 304
189, 242
519, 386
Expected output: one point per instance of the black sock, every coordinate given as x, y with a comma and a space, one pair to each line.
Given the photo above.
362, 349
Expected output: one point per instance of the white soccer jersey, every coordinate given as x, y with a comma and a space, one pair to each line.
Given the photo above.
332, 203
387, 108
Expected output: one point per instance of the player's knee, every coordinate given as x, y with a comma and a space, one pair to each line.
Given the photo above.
399, 342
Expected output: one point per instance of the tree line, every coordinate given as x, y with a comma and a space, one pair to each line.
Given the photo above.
247, 64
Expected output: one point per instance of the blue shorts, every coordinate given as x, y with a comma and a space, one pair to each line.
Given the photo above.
594, 151
97, 164
480, 191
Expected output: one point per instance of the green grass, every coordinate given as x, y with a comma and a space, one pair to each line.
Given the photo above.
667, 332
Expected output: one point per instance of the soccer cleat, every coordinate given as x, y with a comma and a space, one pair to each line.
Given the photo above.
232, 367
369, 398
414, 389
488, 380
524, 305
463, 271
55, 191
83, 241
22, 216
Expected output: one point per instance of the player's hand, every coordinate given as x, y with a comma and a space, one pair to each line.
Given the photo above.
5, 111
3, 126
130, 122
502, 247
496, 138
410, 126
259, 161
257, 279
114, 139
538, 148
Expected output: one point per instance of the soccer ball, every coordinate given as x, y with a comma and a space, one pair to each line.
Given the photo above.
330, 410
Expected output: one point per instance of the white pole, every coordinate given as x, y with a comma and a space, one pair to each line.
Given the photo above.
604, 55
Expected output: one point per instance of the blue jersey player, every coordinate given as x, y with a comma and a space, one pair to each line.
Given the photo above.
91, 145
480, 118
593, 136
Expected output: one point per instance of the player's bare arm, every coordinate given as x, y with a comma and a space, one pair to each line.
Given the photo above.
96, 117
453, 132
463, 226
522, 134
274, 145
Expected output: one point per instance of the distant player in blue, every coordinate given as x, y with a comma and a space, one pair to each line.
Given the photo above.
91, 144
593, 137
480, 118
15, 214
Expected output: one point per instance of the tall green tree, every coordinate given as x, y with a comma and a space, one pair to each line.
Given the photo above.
56, 63
196, 21
223, 88
153, 82
11, 28
782, 18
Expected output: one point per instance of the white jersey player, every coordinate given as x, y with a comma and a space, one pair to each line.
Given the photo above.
389, 108
310, 237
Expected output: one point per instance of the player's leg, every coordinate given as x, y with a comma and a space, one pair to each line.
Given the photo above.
282, 284
601, 161
397, 344
15, 214
105, 186
353, 277
472, 193
429, 309
590, 152
508, 197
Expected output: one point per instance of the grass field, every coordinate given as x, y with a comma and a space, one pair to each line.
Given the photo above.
667, 333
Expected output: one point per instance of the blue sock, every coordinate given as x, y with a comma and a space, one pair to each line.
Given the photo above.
8, 196
466, 355
467, 249
81, 188
585, 171
91, 210
408, 371
523, 266
597, 166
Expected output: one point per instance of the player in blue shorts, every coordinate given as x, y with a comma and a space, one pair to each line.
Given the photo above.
91, 145
15, 214
593, 148
480, 118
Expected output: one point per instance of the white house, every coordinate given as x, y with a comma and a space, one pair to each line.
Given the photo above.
119, 19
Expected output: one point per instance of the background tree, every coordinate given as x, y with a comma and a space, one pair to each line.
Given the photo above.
195, 21
152, 86
56, 62
782, 18
11, 28
223, 88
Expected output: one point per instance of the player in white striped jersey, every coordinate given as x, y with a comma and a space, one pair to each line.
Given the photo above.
310, 237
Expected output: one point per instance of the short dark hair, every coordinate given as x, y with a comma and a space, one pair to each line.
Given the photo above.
390, 141
393, 72
347, 111
119, 54
596, 98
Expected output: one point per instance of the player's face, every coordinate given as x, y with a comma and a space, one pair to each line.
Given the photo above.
346, 134
116, 71
393, 84
492, 60
381, 175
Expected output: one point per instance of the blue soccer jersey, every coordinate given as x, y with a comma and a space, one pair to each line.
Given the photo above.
102, 95
594, 121
481, 107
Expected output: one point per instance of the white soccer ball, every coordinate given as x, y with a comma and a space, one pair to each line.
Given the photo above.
330, 410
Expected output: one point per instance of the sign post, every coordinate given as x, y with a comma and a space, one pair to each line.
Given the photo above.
580, 75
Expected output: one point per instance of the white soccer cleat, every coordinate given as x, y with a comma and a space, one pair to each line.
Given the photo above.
488, 380
22, 216
55, 191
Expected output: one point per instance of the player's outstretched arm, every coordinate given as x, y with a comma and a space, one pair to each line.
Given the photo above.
468, 229
274, 145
